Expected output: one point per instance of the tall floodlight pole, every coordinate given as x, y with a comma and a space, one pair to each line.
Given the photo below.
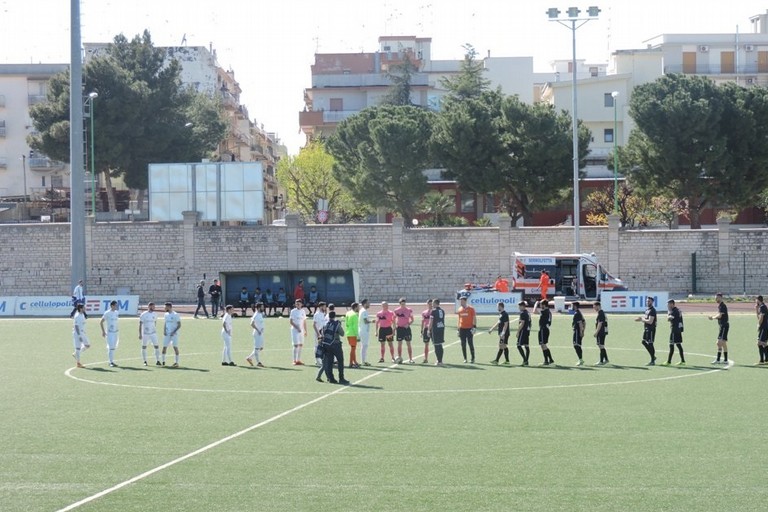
91, 102
76, 167
573, 23
614, 95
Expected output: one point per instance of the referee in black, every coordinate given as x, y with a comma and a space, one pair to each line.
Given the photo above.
545, 322
722, 332
649, 329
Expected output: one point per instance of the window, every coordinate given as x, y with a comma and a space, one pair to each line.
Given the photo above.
608, 135
593, 71
490, 203
608, 99
467, 202
337, 104
2, 128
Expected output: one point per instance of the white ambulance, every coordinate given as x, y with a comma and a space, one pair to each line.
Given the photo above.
574, 276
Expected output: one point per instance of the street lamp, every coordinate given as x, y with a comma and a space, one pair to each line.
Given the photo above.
614, 95
572, 23
90, 103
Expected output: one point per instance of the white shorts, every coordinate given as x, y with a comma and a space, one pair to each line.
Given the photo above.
171, 339
297, 337
258, 341
79, 341
113, 339
149, 339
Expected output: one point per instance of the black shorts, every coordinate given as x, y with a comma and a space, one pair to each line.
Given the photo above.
522, 339
385, 334
675, 338
600, 338
762, 334
504, 338
577, 337
425, 335
543, 336
403, 334
649, 336
438, 336
722, 333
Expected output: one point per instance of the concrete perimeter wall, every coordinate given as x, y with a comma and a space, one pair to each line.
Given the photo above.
164, 261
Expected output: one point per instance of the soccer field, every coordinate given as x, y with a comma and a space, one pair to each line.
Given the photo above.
403, 437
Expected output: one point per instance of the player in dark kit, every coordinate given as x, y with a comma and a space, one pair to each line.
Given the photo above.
649, 328
545, 322
503, 325
722, 329
762, 329
578, 325
675, 319
437, 330
524, 332
601, 331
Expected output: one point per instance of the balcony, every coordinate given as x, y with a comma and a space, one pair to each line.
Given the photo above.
229, 100
716, 69
43, 164
34, 99
311, 118
364, 80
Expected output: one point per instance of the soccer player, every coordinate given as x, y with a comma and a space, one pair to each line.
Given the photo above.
79, 337
649, 329
257, 324
503, 329
78, 297
467, 325
384, 319
579, 326
298, 321
762, 329
437, 330
403, 321
351, 329
722, 333
601, 331
319, 319
545, 322
675, 319
226, 337
364, 330
426, 317
110, 332
171, 327
524, 332
148, 333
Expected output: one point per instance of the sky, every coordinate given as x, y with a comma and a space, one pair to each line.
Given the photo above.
270, 45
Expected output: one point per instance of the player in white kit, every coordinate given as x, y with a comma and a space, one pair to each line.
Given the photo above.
111, 331
148, 333
319, 319
171, 327
257, 324
364, 330
79, 338
226, 336
298, 321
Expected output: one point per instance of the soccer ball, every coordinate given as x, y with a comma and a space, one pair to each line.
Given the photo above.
399, 360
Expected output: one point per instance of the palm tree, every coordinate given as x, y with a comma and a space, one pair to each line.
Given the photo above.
437, 206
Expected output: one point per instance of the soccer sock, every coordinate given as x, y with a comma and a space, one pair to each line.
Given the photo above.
498, 356
548, 356
144, 354
439, 352
111, 355
603, 355
719, 353
256, 355
364, 351
762, 353
157, 353
725, 357
579, 353
650, 349
671, 353
522, 352
77, 355
176, 358
162, 356
298, 352
527, 353
680, 349
506, 354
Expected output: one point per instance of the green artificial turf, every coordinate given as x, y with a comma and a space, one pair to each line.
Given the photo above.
403, 437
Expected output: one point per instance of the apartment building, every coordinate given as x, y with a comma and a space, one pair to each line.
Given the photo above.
22, 172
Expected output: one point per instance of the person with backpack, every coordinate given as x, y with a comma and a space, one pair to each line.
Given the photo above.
332, 349
675, 319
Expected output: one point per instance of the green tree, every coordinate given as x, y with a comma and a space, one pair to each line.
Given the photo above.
469, 82
436, 206
632, 207
493, 143
699, 141
401, 76
308, 177
142, 114
381, 154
